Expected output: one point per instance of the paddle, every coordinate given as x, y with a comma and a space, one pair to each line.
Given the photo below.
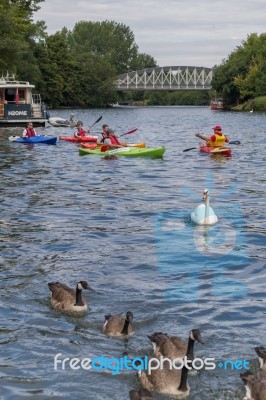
233, 142
99, 119
129, 132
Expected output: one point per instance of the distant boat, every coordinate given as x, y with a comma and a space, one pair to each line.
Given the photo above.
218, 104
18, 105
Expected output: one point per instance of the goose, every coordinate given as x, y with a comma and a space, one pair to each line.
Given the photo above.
66, 299
164, 379
141, 394
204, 214
174, 347
255, 388
117, 325
261, 352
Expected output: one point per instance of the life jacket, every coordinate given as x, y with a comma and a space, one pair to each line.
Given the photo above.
218, 142
113, 139
30, 132
81, 132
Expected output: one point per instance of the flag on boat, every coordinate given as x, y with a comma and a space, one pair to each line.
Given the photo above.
17, 97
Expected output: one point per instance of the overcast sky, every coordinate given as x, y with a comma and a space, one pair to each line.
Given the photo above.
174, 32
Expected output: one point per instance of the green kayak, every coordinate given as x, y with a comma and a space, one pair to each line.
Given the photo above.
126, 151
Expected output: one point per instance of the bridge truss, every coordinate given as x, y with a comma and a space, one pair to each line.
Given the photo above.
166, 78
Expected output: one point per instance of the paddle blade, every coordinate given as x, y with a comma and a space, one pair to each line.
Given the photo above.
235, 142
191, 148
129, 132
99, 119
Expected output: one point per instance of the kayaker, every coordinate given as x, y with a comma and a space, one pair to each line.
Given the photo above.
80, 131
110, 139
29, 131
218, 139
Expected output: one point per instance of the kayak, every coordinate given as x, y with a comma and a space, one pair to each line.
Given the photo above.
126, 151
95, 146
82, 139
226, 151
34, 139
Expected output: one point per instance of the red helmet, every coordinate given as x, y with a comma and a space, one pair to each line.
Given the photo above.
217, 128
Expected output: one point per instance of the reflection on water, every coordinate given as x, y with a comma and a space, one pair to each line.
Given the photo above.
124, 226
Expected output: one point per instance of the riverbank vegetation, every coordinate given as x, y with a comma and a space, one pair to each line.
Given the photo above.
77, 68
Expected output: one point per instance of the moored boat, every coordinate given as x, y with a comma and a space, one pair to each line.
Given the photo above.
82, 139
226, 151
18, 105
157, 152
33, 139
218, 104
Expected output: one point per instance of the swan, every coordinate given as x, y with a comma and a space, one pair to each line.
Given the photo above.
204, 214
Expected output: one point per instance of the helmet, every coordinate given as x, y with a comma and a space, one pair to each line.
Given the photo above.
217, 128
110, 131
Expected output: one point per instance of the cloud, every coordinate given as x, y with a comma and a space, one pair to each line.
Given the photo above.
176, 32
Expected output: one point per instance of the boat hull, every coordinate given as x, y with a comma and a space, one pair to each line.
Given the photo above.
83, 139
216, 150
35, 140
156, 152
95, 146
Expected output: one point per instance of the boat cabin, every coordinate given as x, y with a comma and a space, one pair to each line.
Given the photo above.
18, 105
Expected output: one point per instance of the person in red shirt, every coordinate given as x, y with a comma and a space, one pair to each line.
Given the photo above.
29, 131
218, 139
80, 132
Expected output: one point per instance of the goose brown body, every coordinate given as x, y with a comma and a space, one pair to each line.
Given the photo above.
66, 299
117, 325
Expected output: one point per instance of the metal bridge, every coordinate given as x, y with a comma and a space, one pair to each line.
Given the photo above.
166, 78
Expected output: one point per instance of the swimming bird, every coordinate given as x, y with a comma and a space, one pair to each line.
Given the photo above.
117, 325
174, 347
66, 299
163, 379
204, 214
141, 394
261, 352
255, 387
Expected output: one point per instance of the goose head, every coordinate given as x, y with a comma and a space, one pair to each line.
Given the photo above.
83, 285
195, 335
129, 316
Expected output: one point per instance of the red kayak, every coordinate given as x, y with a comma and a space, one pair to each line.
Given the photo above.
82, 139
215, 150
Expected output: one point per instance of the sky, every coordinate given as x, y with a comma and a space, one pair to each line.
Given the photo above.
174, 32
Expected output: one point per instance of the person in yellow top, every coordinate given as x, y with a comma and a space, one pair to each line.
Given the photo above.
218, 139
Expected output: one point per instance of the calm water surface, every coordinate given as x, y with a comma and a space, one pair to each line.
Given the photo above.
123, 225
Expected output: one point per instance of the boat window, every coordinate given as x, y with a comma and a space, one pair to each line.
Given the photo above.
10, 94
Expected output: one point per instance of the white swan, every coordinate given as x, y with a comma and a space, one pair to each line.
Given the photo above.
204, 214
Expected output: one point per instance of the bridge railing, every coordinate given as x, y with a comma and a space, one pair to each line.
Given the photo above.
166, 78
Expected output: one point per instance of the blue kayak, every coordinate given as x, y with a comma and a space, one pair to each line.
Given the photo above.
34, 139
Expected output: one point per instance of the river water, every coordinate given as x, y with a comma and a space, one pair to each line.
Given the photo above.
123, 225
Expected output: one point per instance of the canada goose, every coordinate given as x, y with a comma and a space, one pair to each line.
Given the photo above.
173, 347
261, 352
141, 394
255, 388
117, 325
163, 379
66, 299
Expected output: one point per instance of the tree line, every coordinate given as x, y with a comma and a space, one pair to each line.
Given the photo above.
78, 67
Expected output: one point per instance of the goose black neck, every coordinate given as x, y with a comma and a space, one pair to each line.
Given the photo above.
125, 327
190, 348
79, 298
183, 381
